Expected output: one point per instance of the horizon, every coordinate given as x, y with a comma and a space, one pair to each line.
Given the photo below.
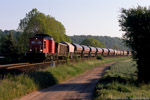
76, 35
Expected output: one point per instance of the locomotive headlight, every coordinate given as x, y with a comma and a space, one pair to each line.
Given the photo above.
30, 50
41, 50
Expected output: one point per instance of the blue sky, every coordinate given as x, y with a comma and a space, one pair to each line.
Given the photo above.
80, 17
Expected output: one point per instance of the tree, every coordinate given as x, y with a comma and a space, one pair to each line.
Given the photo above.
136, 24
92, 42
36, 22
8, 46
115, 46
1, 35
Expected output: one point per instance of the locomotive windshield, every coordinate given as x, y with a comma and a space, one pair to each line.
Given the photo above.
47, 37
36, 42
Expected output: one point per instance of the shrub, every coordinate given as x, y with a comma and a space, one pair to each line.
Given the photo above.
99, 57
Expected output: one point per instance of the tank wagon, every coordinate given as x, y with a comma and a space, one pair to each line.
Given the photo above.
118, 53
43, 48
70, 49
77, 49
92, 51
61, 50
115, 54
111, 52
86, 51
99, 51
105, 52
129, 53
121, 53
125, 53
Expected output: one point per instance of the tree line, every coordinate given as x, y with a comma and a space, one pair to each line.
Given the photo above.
105, 41
92, 42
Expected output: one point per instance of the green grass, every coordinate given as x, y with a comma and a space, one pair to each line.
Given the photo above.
120, 82
16, 86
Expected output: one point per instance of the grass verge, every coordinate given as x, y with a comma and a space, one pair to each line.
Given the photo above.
16, 86
120, 83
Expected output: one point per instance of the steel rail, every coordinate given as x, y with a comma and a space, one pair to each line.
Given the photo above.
9, 65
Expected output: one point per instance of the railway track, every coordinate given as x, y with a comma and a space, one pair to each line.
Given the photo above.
21, 65
7, 66
26, 65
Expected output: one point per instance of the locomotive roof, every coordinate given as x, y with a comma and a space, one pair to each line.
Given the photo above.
44, 36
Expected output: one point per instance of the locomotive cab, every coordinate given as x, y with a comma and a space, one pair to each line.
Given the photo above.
41, 47
42, 43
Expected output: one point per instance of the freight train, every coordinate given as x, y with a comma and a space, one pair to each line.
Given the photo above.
42, 47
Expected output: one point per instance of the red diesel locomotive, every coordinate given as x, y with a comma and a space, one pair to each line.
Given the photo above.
41, 46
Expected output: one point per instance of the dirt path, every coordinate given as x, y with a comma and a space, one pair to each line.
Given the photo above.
77, 88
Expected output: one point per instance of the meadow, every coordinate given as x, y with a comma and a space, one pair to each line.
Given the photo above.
120, 83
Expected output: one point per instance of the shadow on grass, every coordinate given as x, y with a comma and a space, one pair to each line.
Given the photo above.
5, 72
118, 83
118, 79
43, 79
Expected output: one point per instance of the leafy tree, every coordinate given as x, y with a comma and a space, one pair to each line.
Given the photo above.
136, 24
115, 46
36, 22
92, 42
8, 46
16, 38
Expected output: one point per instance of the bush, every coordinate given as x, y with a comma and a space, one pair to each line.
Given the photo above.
99, 57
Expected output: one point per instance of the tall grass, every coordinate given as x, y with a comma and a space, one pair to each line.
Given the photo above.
16, 86
120, 82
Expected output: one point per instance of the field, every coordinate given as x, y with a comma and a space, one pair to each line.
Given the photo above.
16, 86
120, 83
